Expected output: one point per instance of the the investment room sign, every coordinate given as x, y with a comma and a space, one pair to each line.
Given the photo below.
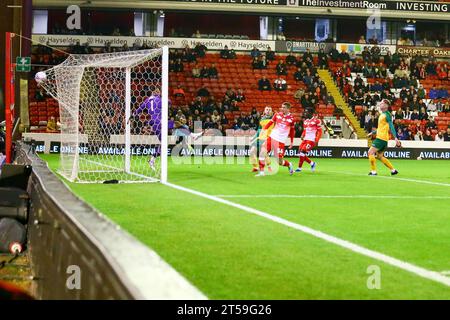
414, 6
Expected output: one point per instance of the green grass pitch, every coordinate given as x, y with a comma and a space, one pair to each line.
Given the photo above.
231, 254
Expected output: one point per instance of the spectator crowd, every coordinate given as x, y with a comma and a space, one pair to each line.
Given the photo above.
390, 76
396, 79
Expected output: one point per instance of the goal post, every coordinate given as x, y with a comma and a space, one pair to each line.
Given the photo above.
165, 114
113, 114
127, 116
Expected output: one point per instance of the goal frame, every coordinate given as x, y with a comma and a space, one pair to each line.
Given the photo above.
76, 139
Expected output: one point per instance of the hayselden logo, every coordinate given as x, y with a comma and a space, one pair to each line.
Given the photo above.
292, 3
289, 45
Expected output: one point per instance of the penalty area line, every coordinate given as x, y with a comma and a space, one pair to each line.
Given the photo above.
406, 266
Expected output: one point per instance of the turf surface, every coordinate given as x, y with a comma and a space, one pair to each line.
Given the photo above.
231, 254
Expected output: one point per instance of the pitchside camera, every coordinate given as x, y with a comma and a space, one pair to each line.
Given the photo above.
14, 205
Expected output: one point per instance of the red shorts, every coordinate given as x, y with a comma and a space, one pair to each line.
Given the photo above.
276, 146
307, 145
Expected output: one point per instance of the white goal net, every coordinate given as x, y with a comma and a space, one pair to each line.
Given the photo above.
113, 114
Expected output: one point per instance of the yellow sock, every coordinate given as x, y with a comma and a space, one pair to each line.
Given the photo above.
268, 161
373, 163
387, 163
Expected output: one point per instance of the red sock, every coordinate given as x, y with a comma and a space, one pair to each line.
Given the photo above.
286, 163
307, 159
261, 165
302, 159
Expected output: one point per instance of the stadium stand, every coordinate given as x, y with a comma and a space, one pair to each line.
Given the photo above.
228, 75
424, 83
209, 82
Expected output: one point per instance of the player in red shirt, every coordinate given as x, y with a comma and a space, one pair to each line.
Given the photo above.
284, 127
312, 131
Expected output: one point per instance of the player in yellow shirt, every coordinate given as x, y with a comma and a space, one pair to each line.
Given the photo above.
258, 145
379, 145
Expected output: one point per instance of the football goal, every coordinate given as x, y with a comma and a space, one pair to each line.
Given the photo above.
113, 115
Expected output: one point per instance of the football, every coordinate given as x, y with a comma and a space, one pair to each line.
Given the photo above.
40, 76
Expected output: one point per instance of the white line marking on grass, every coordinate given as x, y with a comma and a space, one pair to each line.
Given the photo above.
121, 170
393, 178
424, 273
338, 196
446, 273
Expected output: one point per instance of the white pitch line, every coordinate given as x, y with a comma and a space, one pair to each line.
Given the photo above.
446, 273
394, 178
424, 273
313, 196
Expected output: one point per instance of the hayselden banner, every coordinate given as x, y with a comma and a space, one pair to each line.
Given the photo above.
100, 41
406, 6
424, 51
358, 48
302, 46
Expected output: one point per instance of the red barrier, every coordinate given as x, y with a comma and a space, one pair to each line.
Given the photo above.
9, 96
